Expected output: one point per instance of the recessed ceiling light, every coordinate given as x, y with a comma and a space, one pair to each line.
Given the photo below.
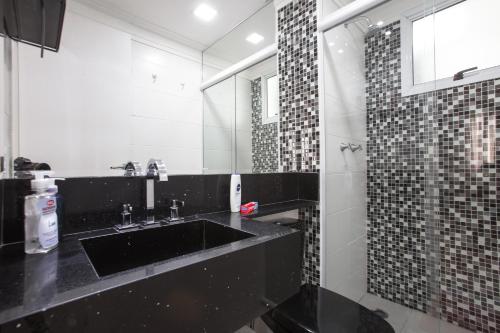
255, 38
331, 44
388, 32
205, 12
380, 23
340, 51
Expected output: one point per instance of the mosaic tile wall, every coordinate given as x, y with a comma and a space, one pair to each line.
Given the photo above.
299, 110
433, 183
311, 269
469, 197
264, 136
298, 82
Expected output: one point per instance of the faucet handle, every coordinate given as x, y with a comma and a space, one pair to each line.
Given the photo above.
126, 218
353, 147
127, 209
344, 146
177, 203
174, 210
131, 168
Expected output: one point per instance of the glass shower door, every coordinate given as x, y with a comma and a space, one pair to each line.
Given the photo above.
380, 242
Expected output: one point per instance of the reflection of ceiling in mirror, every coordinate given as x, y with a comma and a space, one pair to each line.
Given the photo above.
174, 19
234, 47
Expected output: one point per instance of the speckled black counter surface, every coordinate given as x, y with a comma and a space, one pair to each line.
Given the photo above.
214, 290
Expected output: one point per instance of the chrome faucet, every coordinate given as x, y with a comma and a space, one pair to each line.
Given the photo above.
132, 169
155, 168
344, 146
174, 211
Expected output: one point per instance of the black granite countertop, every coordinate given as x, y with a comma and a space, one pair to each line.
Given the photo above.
34, 283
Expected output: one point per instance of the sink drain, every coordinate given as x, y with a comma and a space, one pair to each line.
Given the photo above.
381, 313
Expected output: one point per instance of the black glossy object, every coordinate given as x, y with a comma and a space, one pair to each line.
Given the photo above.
120, 252
34, 22
317, 310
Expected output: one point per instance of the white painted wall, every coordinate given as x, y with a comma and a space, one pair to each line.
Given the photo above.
94, 104
345, 122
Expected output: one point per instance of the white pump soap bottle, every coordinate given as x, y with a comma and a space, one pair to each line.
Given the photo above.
235, 193
40, 217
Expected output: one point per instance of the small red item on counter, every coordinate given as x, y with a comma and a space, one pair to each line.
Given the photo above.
249, 208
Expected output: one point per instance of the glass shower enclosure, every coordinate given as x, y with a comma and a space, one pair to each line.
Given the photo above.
410, 170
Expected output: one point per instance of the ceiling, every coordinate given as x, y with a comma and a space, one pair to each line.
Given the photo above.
174, 19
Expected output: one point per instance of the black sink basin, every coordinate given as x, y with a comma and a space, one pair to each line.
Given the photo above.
119, 252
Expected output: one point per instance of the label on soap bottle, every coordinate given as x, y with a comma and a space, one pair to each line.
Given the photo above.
47, 226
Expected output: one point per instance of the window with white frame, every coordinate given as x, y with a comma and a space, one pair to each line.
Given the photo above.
270, 103
451, 44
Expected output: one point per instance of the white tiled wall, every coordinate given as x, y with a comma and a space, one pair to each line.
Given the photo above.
95, 103
166, 113
228, 125
243, 125
345, 122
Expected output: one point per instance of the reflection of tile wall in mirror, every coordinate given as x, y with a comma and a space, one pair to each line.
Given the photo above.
256, 136
264, 136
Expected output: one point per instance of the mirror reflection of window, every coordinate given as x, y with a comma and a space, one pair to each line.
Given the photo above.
272, 96
270, 112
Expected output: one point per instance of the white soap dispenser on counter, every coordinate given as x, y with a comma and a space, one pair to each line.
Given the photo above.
235, 193
40, 216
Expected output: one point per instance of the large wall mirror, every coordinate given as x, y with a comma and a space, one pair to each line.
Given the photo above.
116, 93
241, 112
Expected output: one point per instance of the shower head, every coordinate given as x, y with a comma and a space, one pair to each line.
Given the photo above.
369, 24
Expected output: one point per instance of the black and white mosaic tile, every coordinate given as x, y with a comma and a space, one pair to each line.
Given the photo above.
433, 192
311, 269
396, 180
299, 110
264, 136
298, 82
469, 204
